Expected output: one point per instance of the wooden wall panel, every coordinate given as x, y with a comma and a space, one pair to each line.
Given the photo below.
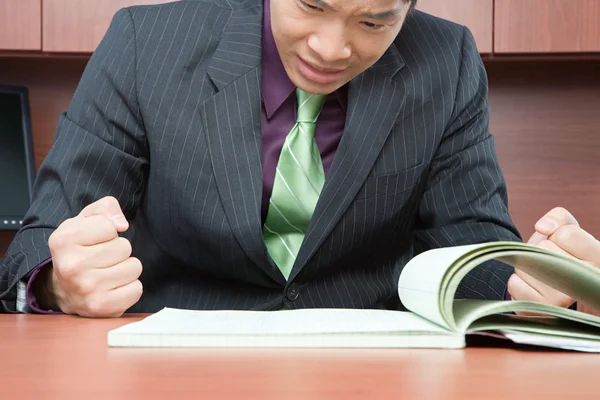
477, 15
51, 83
547, 26
20, 25
73, 26
546, 120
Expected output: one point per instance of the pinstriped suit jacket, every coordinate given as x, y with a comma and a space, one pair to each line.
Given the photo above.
166, 119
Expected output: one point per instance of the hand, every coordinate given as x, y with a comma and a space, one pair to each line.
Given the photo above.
93, 274
557, 231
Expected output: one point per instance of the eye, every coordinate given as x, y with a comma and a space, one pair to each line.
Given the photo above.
309, 7
373, 27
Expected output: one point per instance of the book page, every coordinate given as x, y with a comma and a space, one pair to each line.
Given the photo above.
468, 314
421, 280
279, 323
568, 275
559, 342
428, 282
548, 326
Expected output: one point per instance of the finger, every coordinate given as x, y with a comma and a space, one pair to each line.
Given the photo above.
578, 243
550, 294
126, 296
110, 208
554, 219
536, 238
520, 290
107, 254
114, 303
83, 232
539, 286
587, 309
120, 275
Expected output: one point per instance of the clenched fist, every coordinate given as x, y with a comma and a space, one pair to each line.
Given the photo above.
93, 273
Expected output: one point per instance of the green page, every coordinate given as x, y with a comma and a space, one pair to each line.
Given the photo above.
428, 283
538, 325
567, 274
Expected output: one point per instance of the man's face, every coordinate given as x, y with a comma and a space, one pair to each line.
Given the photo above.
323, 44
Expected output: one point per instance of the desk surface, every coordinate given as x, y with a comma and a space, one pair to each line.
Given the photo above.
64, 357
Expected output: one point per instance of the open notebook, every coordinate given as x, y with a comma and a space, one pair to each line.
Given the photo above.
426, 287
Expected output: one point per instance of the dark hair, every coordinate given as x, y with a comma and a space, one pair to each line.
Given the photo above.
413, 3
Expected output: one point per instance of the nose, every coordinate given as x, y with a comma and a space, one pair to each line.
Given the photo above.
330, 44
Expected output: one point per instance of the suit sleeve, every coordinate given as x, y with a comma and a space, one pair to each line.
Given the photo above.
465, 200
99, 150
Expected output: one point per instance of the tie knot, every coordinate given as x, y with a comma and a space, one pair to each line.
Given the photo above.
309, 106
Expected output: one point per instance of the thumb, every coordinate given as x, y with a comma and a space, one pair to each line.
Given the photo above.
109, 207
553, 220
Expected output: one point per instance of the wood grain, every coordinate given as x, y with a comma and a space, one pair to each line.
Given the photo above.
477, 15
537, 26
64, 357
545, 118
20, 25
73, 26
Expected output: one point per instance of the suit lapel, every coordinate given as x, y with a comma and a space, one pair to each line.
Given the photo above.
232, 122
375, 100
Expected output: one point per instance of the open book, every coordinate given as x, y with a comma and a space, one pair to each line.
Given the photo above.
426, 287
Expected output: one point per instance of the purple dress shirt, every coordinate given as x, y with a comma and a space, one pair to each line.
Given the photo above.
279, 108
278, 115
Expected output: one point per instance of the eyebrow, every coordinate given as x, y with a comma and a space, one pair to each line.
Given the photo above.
382, 15
324, 5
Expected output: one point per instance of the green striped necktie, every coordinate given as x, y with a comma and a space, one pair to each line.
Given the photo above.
299, 179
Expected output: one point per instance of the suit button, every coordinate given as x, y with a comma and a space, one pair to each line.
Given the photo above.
293, 292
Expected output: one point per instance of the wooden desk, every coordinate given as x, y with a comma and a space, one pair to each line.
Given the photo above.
62, 357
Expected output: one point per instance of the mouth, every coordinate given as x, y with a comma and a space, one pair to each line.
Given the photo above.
319, 74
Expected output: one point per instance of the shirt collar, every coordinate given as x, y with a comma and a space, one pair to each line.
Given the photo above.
276, 86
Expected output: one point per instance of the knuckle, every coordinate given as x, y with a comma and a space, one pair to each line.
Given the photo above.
106, 204
59, 239
96, 307
512, 281
566, 234
86, 287
91, 309
124, 246
102, 222
69, 268
563, 216
560, 211
103, 202
102, 227
109, 200
138, 289
136, 265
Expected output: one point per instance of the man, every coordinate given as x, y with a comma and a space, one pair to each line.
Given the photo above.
232, 154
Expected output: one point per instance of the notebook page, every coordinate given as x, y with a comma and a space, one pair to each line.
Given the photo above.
565, 343
421, 279
289, 322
